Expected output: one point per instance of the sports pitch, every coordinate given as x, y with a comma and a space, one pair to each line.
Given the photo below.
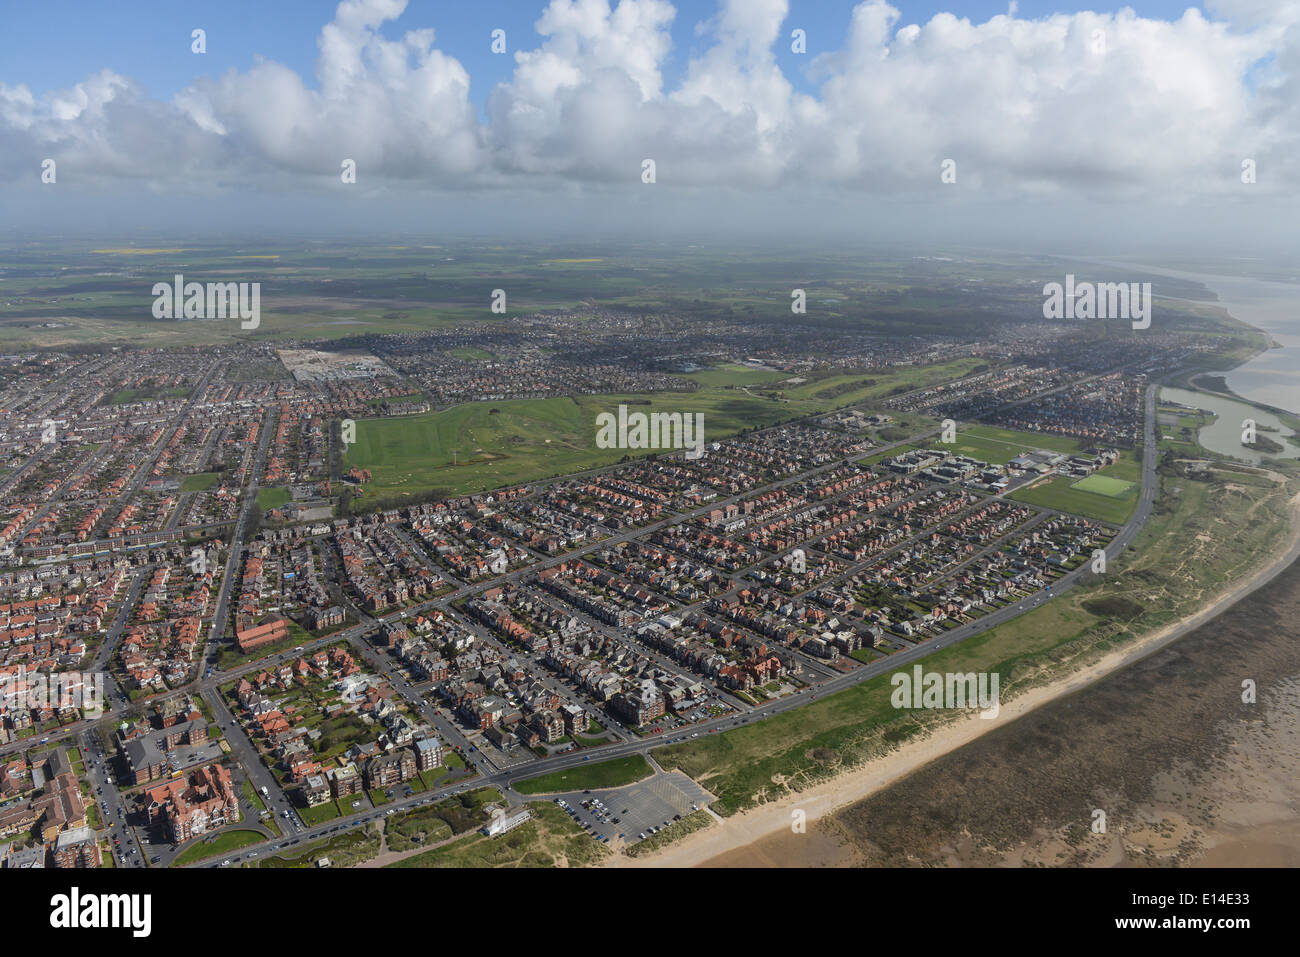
1103, 485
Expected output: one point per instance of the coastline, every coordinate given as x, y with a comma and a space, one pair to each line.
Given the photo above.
711, 846
1193, 384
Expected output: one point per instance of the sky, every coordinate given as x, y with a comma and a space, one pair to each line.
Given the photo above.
964, 121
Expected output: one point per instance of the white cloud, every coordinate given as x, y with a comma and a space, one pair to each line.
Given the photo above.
1022, 105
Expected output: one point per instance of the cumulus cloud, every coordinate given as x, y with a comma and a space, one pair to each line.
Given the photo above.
1075, 101
399, 108
1103, 103
588, 100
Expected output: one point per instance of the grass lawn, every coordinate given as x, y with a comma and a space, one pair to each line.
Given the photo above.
1018, 439
733, 374
837, 391
321, 813
430, 778
225, 842
1000, 446
123, 396
454, 762
1104, 485
269, 498
876, 458
253, 797
510, 442
1062, 493
603, 774
199, 482
450, 816
470, 352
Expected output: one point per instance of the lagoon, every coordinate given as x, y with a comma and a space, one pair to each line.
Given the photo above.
1223, 435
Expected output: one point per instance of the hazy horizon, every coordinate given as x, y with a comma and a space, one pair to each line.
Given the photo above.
1072, 130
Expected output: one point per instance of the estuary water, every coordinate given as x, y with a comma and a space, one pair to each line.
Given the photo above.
1273, 377
1223, 435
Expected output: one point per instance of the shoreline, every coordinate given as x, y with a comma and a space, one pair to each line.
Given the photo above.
1194, 386
704, 848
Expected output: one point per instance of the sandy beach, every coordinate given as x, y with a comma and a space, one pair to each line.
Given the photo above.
744, 830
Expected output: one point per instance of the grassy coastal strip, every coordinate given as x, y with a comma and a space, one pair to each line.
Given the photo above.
223, 843
604, 774
343, 850
549, 839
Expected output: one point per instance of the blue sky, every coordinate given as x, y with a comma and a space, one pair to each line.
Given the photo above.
54, 44
1149, 130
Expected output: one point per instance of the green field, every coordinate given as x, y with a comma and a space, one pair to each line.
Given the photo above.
604, 774
321, 813
1021, 440
1060, 492
269, 498
733, 374
124, 396
199, 482
999, 446
522, 440
1104, 485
